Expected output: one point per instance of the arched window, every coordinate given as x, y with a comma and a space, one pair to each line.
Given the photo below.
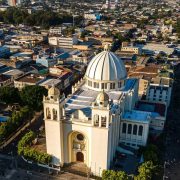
124, 128
129, 128
96, 120
119, 84
135, 129
48, 113
54, 114
103, 121
140, 130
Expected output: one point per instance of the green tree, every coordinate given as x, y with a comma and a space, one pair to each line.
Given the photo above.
9, 95
151, 153
146, 171
24, 149
113, 175
33, 96
122, 175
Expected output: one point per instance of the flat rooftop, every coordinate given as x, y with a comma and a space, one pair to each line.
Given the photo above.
158, 47
30, 78
159, 108
161, 81
13, 72
50, 82
137, 116
84, 97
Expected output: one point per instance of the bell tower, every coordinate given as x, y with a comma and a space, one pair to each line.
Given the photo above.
101, 111
53, 116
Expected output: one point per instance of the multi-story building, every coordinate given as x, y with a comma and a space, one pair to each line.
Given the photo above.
28, 80
46, 60
129, 48
159, 90
63, 42
55, 30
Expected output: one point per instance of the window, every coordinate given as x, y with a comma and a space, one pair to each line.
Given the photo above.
140, 130
80, 137
54, 114
112, 85
135, 129
89, 83
48, 113
103, 121
119, 84
129, 128
104, 85
96, 85
96, 122
124, 128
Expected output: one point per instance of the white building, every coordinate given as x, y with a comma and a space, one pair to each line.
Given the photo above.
55, 30
89, 125
63, 42
126, 47
160, 90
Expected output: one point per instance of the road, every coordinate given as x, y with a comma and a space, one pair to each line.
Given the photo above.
11, 147
13, 168
172, 141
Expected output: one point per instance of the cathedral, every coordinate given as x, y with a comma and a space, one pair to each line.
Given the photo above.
89, 124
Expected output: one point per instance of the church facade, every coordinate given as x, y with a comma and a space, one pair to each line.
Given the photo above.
89, 124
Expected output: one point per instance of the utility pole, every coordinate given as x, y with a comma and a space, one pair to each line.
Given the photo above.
73, 20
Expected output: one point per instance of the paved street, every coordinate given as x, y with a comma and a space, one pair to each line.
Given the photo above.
14, 168
172, 142
172, 154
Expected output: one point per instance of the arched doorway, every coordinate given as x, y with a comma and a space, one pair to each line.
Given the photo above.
78, 147
80, 157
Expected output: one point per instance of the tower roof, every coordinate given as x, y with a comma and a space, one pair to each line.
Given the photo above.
102, 96
53, 91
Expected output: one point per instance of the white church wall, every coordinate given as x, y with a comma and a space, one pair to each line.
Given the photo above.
99, 150
53, 140
78, 127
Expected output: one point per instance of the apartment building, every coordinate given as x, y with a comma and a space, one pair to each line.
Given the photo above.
160, 89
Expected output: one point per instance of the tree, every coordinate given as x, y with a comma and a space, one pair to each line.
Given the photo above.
151, 153
25, 150
113, 175
33, 96
146, 171
14, 122
122, 175
9, 95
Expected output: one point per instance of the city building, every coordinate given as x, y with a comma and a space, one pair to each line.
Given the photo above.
4, 52
28, 80
55, 30
92, 16
126, 47
159, 90
63, 42
46, 60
